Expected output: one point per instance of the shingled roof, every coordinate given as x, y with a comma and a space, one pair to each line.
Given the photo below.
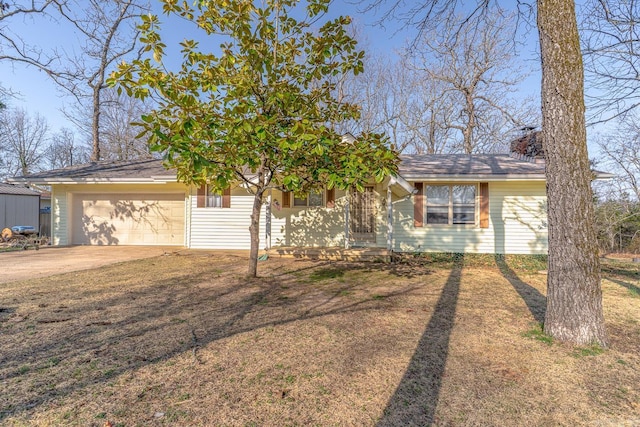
425, 166
412, 168
17, 190
143, 170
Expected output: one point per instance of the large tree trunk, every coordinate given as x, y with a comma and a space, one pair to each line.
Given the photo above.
574, 297
254, 232
467, 132
431, 146
95, 125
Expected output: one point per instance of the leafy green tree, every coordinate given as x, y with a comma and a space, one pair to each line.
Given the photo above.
260, 109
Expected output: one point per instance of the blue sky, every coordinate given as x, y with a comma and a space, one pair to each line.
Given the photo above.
38, 94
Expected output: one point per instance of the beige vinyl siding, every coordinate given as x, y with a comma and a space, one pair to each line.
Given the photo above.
517, 220
309, 226
517, 224
381, 215
223, 228
63, 196
228, 228
188, 212
279, 220
59, 216
518, 214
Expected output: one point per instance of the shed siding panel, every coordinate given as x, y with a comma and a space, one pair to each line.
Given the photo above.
517, 225
19, 210
4, 211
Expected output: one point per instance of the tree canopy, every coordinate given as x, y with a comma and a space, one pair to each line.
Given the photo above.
259, 108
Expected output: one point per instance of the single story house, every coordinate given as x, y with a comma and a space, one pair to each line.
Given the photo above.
486, 203
19, 205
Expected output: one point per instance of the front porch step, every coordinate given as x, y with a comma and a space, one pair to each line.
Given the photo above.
333, 254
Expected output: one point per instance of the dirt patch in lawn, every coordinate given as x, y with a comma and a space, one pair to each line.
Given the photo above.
185, 339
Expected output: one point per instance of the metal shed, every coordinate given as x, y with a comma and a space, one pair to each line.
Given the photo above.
19, 206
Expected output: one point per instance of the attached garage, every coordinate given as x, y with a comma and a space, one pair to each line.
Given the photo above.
134, 202
128, 219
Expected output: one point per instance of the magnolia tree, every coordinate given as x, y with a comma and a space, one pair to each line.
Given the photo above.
259, 109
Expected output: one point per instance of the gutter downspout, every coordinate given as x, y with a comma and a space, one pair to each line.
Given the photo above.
39, 225
389, 220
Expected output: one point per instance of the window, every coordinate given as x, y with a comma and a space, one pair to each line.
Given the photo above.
451, 204
210, 199
314, 199
213, 199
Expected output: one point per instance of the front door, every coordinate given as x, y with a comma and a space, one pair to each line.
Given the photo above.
363, 216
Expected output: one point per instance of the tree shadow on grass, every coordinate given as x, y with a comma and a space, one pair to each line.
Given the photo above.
398, 269
71, 334
617, 270
535, 301
416, 398
634, 289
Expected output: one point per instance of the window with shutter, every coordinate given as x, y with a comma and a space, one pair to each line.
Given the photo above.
314, 199
286, 199
201, 197
451, 204
484, 205
208, 198
331, 198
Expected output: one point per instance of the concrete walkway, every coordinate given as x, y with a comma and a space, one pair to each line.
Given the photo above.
29, 264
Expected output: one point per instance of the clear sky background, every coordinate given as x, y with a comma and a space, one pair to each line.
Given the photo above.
38, 94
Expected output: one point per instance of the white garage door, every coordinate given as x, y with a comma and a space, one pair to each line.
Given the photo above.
128, 219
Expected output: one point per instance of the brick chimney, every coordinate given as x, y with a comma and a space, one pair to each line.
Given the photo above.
529, 147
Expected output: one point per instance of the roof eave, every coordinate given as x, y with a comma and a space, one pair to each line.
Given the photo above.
400, 186
64, 181
20, 194
475, 177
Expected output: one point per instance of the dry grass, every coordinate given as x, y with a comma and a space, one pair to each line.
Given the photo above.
186, 340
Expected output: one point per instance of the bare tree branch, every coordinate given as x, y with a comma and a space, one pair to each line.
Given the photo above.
106, 39
476, 66
23, 139
611, 49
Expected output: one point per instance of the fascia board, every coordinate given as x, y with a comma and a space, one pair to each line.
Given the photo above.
69, 181
398, 181
475, 178
512, 177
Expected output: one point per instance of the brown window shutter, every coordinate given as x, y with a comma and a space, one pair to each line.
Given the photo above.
418, 205
331, 198
484, 205
286, 199
202, 194
226, 197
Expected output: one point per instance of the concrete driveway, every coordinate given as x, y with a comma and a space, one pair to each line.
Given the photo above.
29, 264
